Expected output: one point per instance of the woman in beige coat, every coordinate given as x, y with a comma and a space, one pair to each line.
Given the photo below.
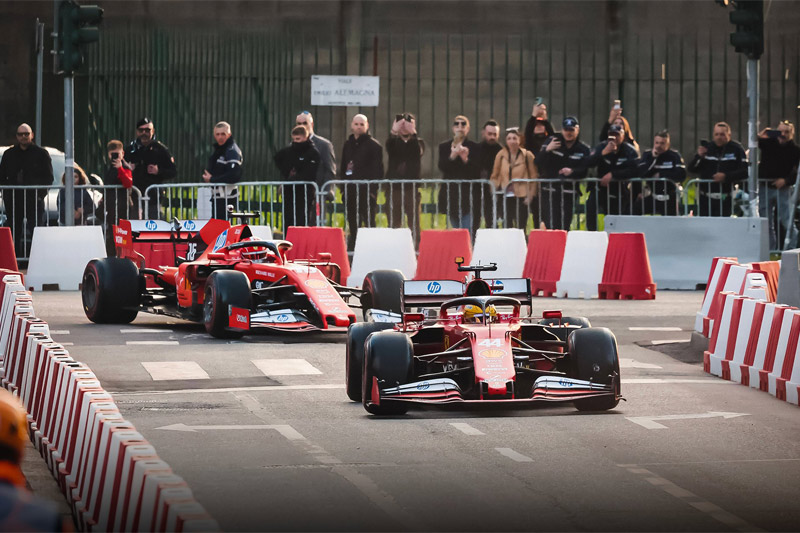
514, 163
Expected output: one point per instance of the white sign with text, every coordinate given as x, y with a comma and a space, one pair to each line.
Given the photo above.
345, 90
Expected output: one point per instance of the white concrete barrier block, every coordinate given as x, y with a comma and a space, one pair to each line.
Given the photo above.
382, 248
584, 260
261, 232
780, 352
506, 247
755, 286
721, 344
59, 255
763, 341
743, 337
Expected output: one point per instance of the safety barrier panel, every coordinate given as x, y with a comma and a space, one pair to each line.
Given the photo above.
755, 343
382, 248
109, 474
59, 255
309, 242
8, 257
584, 259
627, 274
544, 259
438, 250
506, 247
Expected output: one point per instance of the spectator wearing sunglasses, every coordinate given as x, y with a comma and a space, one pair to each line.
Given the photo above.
458, 161
326, 171
778, 167
25, 163
151, 162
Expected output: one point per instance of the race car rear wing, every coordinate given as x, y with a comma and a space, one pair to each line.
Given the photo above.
433, 293
133, 238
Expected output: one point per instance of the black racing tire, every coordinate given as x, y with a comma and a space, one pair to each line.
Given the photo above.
593, 357
225, 288
354, 357
383, 289
561, 331
389, 356
110, 291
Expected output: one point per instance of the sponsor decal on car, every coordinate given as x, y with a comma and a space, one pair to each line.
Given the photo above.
151, 225
189, 225
221, 240
283, 318
497, 286
423, 386
238, 318
492, 353
317, 284
434, 287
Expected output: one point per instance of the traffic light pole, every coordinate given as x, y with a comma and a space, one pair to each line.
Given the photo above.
752, 132
69, 153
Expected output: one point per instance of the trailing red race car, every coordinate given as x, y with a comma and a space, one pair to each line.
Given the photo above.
229, 280
479, 350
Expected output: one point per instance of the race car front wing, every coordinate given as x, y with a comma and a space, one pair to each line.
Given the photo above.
545, 389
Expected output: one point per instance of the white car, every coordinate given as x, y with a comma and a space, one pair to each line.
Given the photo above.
51, 200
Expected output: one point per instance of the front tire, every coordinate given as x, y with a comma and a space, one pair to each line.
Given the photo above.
383, 289
354, 358
593, 357
389, 357
110, 291
225, 289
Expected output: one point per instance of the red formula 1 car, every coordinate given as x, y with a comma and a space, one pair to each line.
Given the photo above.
479, 350
229, 280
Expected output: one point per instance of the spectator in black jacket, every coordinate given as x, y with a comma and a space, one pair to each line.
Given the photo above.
224, 167
404, 151
458, 161
616, 162
564, 158
777, 173
362, 160
484, 195
615, 117
658, 196
152, 164
538, 129
724, 162
298, 162
25, 163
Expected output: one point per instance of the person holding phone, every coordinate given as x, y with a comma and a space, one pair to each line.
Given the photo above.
538, 128
615, 118
720, 164
616, 162
777, 172
458, 162
116, 203
404, 151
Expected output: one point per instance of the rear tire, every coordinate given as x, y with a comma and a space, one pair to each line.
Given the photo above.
593, 357
225, 288
383, 289
561, 331
110, 291
389, 357
354, 358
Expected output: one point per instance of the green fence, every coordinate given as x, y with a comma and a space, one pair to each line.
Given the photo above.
186, 81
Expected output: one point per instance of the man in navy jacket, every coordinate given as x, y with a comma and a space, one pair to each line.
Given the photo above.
223, 167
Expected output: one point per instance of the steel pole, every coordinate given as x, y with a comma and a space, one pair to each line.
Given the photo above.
39, 68
69, 153
752, 132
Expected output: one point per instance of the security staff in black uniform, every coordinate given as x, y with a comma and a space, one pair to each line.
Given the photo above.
224, 167
563, 157
657, 196
152, 164
616, 162
723, 161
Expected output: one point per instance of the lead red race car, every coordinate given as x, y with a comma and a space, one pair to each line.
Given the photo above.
227, 279
478, 349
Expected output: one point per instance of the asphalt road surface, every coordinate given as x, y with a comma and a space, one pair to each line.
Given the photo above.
264, 434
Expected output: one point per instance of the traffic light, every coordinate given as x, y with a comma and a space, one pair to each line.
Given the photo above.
749, 35
77, 27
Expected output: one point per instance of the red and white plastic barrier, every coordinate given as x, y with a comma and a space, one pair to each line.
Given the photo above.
108, 472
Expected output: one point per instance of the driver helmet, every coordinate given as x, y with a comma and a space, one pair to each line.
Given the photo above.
473, 314
256, 254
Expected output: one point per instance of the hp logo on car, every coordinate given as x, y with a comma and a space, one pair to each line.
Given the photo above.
434, 287
424, 386
282, 318
151, 225
189, 225
497, 286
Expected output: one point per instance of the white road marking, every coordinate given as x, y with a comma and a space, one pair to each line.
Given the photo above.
649, 422
714, 511
167, 370
143, 330
339, 386
152, 343
633, 363
516, 456
658, 381
670, 341
287, 431
466, 428
59, 332
67, 343
285, 367
655, 328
